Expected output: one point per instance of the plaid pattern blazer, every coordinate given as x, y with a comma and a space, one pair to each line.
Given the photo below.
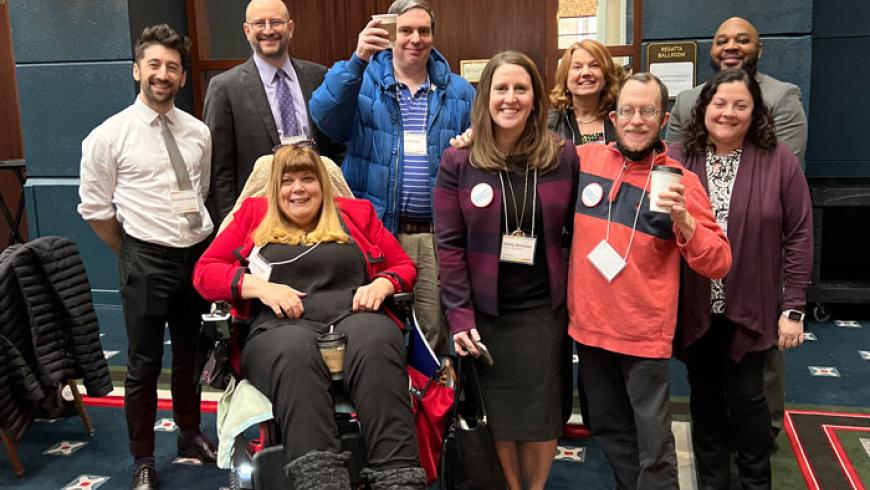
469, 237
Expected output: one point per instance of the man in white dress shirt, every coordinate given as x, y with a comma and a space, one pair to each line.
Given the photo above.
144, 179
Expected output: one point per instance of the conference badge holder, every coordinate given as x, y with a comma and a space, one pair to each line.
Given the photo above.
184, 202
606, 260
518, 249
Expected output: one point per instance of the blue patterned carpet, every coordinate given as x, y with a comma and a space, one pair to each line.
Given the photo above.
103, 461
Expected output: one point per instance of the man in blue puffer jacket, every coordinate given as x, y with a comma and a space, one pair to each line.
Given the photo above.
397, 110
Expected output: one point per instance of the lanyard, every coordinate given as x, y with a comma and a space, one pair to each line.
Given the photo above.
519, 217
288, 261
639, 204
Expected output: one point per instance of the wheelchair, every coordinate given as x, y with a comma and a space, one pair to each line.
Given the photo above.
258, 463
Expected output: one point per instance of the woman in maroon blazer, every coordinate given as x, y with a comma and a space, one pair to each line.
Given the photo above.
761, 200
501, 209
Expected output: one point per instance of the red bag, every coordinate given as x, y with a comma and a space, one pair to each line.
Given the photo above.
431, 401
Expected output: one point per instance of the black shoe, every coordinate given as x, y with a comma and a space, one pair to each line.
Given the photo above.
197, 447
145, 478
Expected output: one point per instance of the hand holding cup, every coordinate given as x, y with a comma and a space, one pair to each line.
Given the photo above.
375, 37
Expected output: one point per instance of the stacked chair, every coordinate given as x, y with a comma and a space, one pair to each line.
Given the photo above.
49, 337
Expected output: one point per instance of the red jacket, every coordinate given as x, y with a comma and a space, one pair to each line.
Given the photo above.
636, 313
219, 273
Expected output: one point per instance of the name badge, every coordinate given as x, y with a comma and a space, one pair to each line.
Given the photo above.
184, 202
414, 143
518, 249
258, 266
606, 260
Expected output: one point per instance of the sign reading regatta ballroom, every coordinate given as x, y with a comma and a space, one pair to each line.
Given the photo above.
674, 64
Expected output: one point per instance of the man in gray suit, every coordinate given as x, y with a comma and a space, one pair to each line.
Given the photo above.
260, 104
737, 45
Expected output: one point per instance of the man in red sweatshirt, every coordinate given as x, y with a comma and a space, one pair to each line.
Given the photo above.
624, 279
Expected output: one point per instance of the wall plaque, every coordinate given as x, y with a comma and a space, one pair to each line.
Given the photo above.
674, 63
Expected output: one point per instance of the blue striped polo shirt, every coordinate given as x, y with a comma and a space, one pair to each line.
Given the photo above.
415, 200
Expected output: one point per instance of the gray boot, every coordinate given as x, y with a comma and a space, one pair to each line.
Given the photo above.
411, 478
320, 470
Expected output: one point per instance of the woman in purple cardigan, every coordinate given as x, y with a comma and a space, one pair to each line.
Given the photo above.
502, 208
761, 200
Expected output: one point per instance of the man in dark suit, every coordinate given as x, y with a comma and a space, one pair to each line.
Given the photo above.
259, 104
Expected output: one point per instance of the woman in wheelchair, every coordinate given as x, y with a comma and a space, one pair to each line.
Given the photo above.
296, 263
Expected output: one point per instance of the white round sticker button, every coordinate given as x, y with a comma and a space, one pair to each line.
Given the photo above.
481, 195
592, 195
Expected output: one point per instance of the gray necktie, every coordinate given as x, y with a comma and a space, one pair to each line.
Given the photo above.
181, 175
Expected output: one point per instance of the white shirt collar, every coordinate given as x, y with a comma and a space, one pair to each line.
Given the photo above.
148, 115
267, 70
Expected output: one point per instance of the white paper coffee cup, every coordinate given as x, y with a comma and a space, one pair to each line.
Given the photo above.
661, 178
388, 23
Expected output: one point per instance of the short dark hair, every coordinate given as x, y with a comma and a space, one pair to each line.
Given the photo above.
645, 78
761, 131
164, 35
399, 7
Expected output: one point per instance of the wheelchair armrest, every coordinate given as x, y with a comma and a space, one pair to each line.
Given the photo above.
217, 324
401, 304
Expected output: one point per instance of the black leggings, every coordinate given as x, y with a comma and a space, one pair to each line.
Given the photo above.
284, 363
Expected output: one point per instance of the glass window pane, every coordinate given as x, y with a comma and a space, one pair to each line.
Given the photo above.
608, 21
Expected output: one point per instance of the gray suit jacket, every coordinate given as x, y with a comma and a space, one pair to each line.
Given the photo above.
243, 129
783, 99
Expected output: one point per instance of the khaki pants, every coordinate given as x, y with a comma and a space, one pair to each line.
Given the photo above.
427, 293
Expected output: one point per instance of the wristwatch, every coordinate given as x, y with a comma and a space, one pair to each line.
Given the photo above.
794, 315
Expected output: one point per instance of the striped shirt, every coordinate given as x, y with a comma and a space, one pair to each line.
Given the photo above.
415, 200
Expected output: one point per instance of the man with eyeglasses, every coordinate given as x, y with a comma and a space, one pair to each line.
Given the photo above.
623, 279
397, 108
260, 104
737, 44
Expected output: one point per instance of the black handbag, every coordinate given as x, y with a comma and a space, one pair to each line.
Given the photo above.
469, 460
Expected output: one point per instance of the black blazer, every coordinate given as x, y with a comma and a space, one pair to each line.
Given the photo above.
243, 129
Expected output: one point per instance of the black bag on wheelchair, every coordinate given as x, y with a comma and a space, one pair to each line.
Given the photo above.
213, 350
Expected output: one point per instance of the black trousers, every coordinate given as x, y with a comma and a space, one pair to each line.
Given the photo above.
284, 363
729, 410
629, 404
156, 290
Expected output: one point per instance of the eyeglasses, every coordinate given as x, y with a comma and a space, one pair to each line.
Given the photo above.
647, 112
306, 143
275, 24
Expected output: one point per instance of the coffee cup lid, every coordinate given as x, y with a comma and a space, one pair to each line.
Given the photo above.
385, 17
665, 168
331, 337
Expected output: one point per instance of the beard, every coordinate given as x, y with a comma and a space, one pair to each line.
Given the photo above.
750, 65
156, 99
638, 155
283, 44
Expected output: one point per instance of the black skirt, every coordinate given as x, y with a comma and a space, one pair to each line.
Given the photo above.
522, 389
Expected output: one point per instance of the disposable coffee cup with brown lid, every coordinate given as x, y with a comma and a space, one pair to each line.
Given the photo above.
661, 178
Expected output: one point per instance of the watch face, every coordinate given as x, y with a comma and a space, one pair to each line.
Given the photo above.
795, 316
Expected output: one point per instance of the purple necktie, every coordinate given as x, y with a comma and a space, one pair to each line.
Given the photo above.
289, 127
